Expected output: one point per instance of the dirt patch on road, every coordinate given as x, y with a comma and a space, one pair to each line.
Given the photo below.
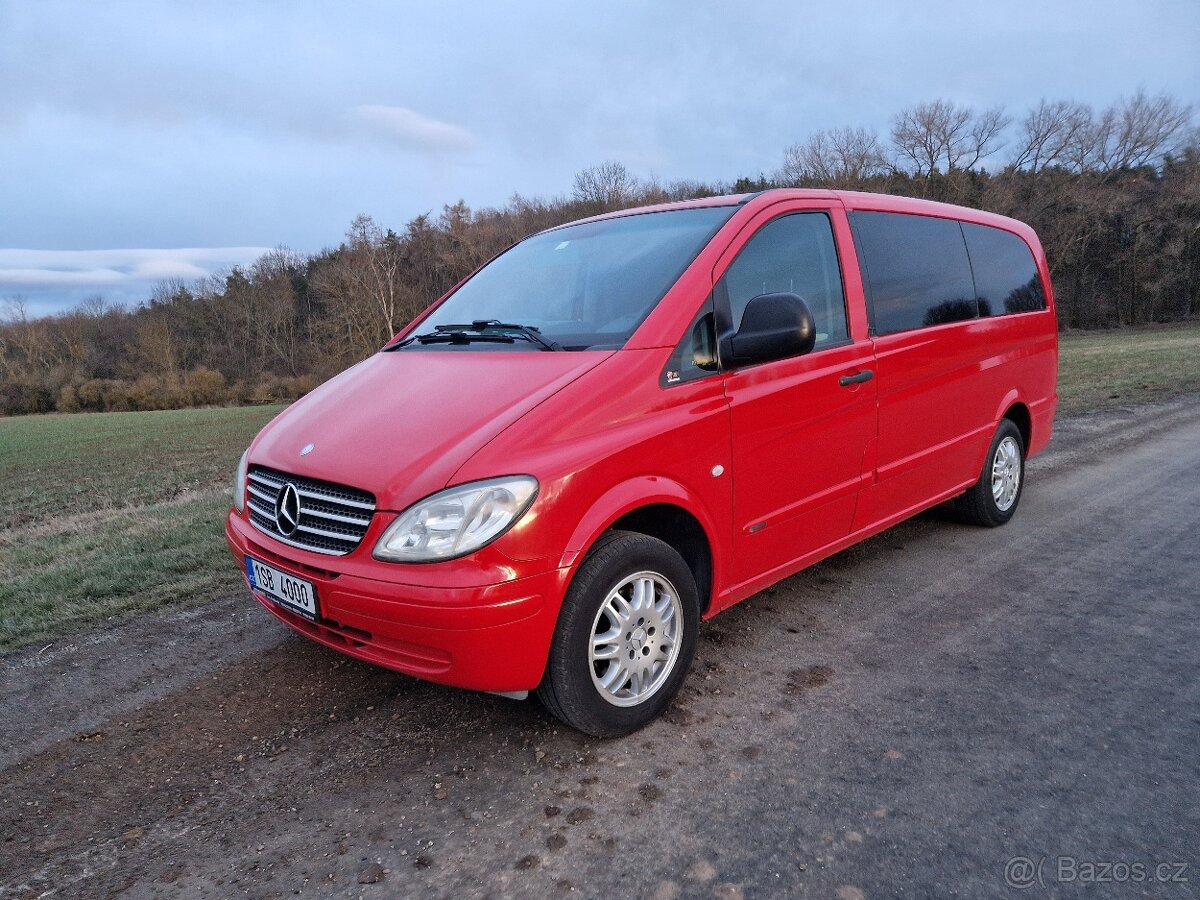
801, 680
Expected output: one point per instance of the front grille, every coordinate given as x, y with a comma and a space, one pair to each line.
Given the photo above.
332, 520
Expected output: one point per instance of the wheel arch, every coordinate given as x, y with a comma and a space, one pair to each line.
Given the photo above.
1018, 413
1013, 407
660, 508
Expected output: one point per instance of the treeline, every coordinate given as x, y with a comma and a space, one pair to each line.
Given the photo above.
1114, 195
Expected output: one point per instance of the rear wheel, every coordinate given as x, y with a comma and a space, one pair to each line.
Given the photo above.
994, 497
625, 637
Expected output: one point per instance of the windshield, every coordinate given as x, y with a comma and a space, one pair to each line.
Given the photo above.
587, 285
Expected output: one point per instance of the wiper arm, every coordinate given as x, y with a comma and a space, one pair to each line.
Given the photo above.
448, 336
480, 330
484, 326
451, 335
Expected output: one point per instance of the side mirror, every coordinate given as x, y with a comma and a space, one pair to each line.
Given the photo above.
774, 326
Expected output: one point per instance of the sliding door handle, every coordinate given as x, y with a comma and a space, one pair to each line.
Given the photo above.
856, 378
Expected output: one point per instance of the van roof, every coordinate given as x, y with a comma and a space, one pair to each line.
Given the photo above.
852, 200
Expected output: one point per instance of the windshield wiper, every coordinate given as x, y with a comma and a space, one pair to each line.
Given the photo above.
488, 330
454, 336
484, 327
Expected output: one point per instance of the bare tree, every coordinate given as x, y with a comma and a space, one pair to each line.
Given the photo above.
94, 307
168, 291
10, 324
691, 189
1137, 131
378, 254
463, 246
1050, 135
360, 284
608, 184
943, 137
987, 129
29, 344
278, 315
841, 156
156, 349
1140, 130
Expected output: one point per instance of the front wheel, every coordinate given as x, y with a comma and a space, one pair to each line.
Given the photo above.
994, 497
625, 637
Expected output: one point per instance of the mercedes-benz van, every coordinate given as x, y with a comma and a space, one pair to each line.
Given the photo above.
625, 425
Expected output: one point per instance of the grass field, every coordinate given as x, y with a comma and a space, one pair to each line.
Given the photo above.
110, 513
106, 514
1116, 368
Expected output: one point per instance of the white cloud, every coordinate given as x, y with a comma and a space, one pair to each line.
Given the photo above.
410, 127
107, 268
50, 281
29, 277
160, 269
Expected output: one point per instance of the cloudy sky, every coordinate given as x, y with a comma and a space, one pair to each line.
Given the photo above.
143, 141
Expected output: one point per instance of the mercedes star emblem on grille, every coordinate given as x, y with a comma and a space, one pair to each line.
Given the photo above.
306, 512
287, 510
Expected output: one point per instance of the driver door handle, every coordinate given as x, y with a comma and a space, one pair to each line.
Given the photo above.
856, 378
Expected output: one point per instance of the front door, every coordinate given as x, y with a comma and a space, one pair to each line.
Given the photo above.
801, 426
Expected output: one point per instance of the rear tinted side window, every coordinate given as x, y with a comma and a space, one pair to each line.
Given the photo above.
1006, 276
916, 268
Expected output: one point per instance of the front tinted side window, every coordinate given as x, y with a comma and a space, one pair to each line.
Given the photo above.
916, 268
793, 254
1006, 276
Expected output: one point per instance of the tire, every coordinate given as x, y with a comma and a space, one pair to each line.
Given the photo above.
638, 592
994, 497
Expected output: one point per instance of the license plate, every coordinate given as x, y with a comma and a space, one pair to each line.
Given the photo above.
288, 591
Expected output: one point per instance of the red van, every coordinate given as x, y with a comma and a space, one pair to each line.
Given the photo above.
622, 426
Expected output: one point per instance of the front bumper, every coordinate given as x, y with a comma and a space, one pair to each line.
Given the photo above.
492, 637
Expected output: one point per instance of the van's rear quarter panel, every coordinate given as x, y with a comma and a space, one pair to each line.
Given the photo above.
941, 392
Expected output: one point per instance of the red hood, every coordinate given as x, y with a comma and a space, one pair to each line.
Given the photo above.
400, 424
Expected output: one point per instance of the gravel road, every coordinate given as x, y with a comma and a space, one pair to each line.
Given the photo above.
904, 719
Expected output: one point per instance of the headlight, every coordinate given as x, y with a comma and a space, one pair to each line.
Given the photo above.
457, 521
239, 484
